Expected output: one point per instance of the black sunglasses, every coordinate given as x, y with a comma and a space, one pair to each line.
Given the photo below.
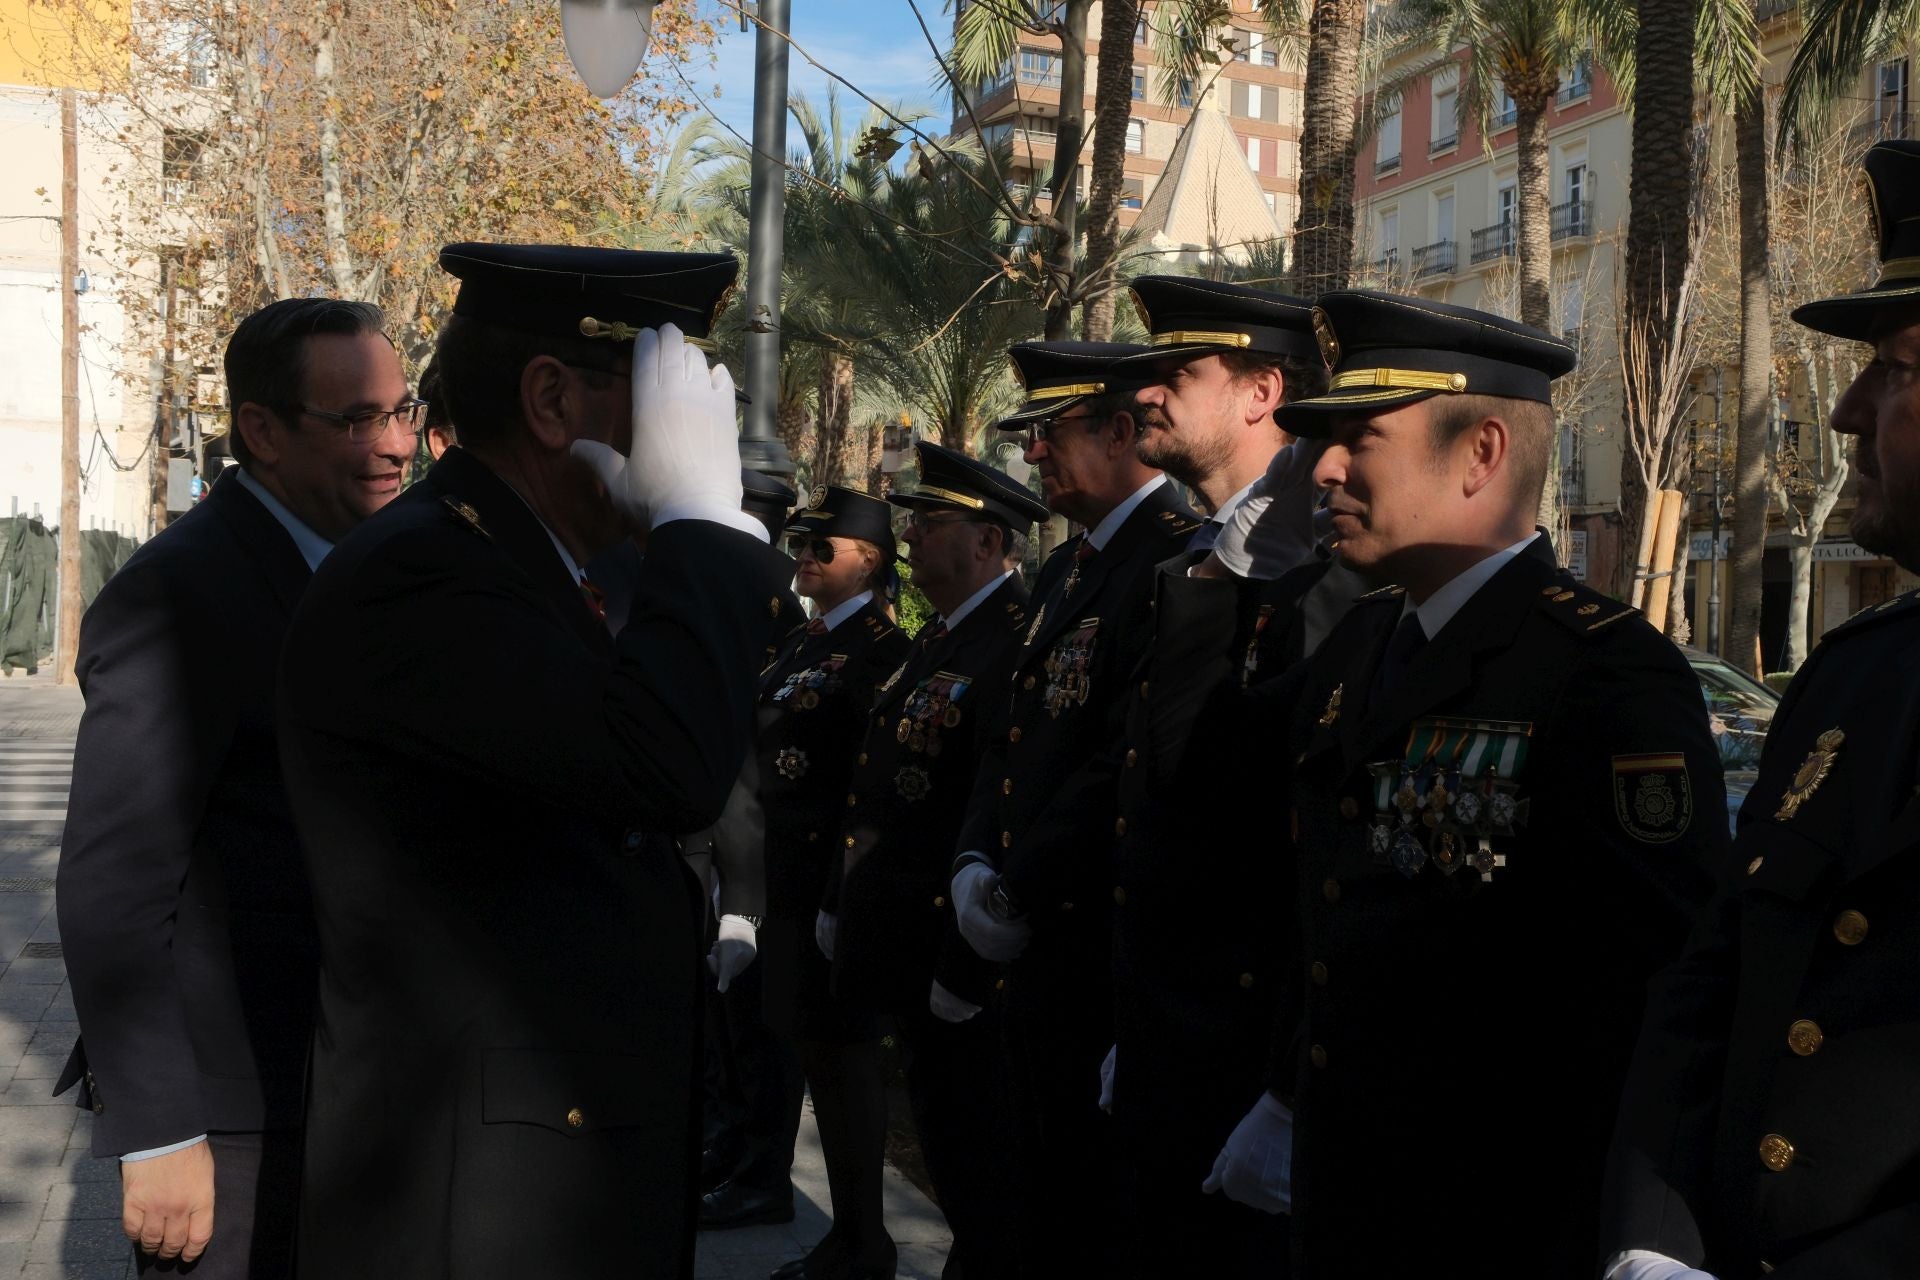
822, 548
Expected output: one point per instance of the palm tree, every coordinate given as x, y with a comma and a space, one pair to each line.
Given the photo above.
1750, 135
1323, 230
1112, 109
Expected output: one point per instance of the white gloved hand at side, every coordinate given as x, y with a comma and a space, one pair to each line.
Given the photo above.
1106, 1080
1272, 531
733, 950
990, 937
1255, 1168
826, 932
947, 1006
1640, 1264
684, 462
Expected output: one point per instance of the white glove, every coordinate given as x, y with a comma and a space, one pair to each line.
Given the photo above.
947, 1006
826, 931
1272, 531
684, 463
990, 937
1106, 1080
1255, 1168
732, 951
1640, 1264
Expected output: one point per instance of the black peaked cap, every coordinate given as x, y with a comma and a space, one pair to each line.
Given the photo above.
835, 511
1059, 375
1188, 316
1386, 350
951, 481
764, 494
608, 294
1891, 171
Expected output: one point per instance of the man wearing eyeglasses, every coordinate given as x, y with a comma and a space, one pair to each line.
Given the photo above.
184, 912
1032, 879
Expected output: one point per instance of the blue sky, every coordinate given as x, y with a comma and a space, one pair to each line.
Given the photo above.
877, 44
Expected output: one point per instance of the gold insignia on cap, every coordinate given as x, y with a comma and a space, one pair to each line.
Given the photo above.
818, 498
1813, 772
1397, 379
1324, 335
726, 296
1872, 196
1140, 309
1014, 366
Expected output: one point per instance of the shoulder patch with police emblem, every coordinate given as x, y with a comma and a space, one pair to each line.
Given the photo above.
1652, 796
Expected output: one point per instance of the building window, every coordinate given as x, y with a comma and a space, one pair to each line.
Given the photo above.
180, 157
1446, 130
1039, 68
1186, 93
1140, 30
1505, 112
1131, 192
1273, 202
1136, 137
1579, 82
1891, 109
1387, 145
1241, 40
1139, 83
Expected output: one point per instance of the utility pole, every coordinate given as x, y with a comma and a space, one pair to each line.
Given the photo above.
67, 620
1713, 555
760, 446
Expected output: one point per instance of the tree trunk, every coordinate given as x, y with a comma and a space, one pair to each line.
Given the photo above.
1756, 384
1678, 627
346, 283
833, 416
1659, 246
795, 430
1323, 231
1535, 190
1112, 108
1062, 256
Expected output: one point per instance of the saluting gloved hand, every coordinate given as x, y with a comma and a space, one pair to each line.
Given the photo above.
991, 936
826, 932
1652, 1266
684, 463
733, 950
949, 1007
1255, 1168
1106, 1080
1273, 530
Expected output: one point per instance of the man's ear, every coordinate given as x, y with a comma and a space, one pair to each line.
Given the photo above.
548, 402
1487, 445
1122, 432
1267, 388
259, 429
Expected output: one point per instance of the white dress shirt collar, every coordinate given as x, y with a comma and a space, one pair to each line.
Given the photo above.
973, 601
845, 609
312, 547
1118, 516
1227, 508
1443, 604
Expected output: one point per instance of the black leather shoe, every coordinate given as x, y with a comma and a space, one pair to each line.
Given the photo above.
715, 1168
732, 1205
821, 1262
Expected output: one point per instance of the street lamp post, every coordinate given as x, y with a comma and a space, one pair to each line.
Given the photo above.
760, 447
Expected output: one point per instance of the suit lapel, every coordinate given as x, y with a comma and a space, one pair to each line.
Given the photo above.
1062, 610
263, 537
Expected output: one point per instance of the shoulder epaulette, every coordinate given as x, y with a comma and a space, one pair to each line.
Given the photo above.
1178, 525
1581, 608
879, 626
1384, 593
1893, 608
1016, 616
465, 514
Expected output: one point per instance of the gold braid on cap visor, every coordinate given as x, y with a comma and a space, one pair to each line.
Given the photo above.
1399, 380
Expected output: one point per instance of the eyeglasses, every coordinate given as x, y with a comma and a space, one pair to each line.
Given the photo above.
1040, 429
921, 521
369, 425
820, 548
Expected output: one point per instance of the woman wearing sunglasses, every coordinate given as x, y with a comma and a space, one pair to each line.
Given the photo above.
814, 701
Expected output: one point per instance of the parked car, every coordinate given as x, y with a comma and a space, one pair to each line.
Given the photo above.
1739, 711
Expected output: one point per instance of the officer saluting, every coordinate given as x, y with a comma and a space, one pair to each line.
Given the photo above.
1769, 1123
1505, 806
505, 1072
895, 940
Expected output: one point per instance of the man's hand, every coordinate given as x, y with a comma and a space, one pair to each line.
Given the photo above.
166, 1203
1645, 1265
1255, 1168
947, 1006
1273, 530
684, 463
732, 951
991, 937
1106, 1080
826, 932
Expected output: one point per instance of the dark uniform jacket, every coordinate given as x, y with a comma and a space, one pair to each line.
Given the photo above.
183, 907
505, 1074
814, 701
1199, 953
1773, 1117
1043, 802
910, 787
1491, 862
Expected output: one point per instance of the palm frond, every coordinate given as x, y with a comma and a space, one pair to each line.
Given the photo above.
1726, 48
1839, 38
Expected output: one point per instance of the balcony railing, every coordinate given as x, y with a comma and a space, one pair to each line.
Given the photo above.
1572, 219
1496, 241
1506, 119
1445, 142
1386, 164
1438, 259
1387, 264
1045, 78
1581, 86
1572, 338
1573, 482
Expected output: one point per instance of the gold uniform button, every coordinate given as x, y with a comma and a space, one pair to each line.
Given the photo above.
1318, 1057
849, 842
1119, 896
1027, 683
773, 611
852, 800
1805, 1037
1143, 688
574, 1117
1851, 928
1755, 864
1246, 982
1006, 839
1330, 890
1132, 756
1013, 734
939, 901
813, 837
1349, 808
1066, 906
1776, 1152
862, 759
1006, 786
999, 984
1318, 972
1119, 826
880, 720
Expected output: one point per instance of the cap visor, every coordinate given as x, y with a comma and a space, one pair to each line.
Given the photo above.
1018, 420
1140, 362
1315, 418
1855, 315
918, 502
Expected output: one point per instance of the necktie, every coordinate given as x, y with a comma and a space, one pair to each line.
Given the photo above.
596, 598
938, 631
817, 627
1203, 540
1409, 638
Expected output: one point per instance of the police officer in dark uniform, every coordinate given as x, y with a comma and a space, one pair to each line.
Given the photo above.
1033, 880
505, 1076
896, 948
1505, 810
813, 711
1769, 1125
1198, 960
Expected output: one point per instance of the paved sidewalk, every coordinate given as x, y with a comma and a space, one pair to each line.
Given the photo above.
59, 1207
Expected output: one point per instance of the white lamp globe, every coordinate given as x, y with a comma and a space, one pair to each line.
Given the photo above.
606, 39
